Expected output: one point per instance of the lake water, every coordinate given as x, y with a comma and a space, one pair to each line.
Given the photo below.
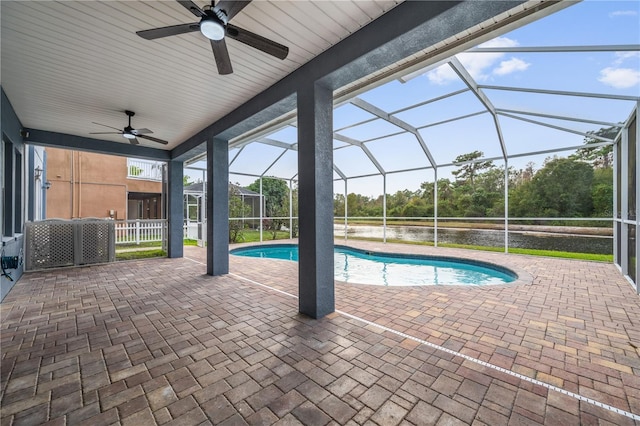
485, 237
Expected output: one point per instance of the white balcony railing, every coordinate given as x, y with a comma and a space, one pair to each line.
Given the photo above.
142, 169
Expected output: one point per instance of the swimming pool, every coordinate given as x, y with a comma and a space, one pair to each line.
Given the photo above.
389, 269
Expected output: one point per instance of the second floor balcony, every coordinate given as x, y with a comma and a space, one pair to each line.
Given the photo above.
144, 169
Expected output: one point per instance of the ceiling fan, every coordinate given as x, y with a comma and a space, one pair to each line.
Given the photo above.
214, 25
129, 132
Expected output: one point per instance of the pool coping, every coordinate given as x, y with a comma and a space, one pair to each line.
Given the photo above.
523, 277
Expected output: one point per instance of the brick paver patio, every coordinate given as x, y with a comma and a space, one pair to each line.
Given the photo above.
160, 342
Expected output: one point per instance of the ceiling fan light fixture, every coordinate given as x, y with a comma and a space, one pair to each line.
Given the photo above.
129, 135
214, 24
212, 30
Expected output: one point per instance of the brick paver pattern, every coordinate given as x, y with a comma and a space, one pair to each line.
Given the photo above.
160, 342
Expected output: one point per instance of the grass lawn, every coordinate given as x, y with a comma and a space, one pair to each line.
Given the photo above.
143, 244
140, 254
533, 252
587, 228
251, 236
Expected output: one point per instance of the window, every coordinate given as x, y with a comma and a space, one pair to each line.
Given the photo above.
18, 191
7, 190
2, 200
631, 169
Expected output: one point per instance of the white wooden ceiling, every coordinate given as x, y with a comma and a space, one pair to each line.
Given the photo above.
66, 64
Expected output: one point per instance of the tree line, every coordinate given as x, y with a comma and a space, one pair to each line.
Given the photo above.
578, 186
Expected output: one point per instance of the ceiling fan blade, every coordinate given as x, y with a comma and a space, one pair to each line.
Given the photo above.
232, 7
192, 7
221, 55
141, 131
111, 127
152, 139
155, 33
256, 41
105, 133
134, 141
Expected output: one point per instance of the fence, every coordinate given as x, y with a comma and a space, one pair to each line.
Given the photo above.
192, 230
140, 231
150, 230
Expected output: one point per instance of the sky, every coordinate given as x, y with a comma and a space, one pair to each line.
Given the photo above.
586, 23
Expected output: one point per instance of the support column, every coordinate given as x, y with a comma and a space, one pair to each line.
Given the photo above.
506, 205
435, 206
175, 209
346, 210
384, 208
217, 207
290, 208
315, 202
262, 207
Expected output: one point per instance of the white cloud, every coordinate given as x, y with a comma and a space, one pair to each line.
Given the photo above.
500, 42
511, 65
477, 64
441, 75
622, 56
619, 78
618, 13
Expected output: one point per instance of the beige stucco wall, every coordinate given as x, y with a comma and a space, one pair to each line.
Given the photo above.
141, 185
85, 184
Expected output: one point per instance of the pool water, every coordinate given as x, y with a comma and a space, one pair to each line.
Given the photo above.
362, 267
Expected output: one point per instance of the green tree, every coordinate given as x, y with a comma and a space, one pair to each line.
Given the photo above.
396, 203
275, 192
294, 211
426, 191
522, 201
602, 192
446, 198
518, 177
362, 206
276, 199
239, 209
562, 188
489, 192
601, 156
417, 207
470, 168
338, 205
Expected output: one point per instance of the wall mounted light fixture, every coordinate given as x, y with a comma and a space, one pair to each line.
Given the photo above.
38, 172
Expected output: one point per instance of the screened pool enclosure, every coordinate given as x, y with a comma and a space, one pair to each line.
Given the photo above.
518, 107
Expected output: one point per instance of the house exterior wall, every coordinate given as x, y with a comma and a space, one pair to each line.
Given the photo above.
142, 185
12, 185
85, 184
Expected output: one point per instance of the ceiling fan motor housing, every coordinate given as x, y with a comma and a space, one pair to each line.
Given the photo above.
130, 133
214, 24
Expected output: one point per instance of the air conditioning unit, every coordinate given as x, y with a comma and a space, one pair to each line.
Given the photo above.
55, 243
